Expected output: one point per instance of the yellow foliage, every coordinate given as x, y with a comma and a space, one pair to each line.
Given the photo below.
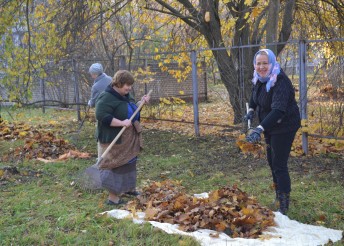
23, 134
165, 101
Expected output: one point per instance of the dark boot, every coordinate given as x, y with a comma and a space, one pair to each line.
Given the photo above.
284, 203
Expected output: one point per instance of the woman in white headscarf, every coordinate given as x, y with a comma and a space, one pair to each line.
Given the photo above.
273, 99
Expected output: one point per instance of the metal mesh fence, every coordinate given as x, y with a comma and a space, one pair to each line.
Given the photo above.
172, 77
325, 97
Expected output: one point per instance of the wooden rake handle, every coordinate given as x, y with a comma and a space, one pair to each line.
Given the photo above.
122, 130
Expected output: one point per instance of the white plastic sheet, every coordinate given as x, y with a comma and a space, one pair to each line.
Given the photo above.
286, 232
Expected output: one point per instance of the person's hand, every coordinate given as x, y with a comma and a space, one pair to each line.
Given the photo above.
126, 123
254, 136
249, 115
145, 99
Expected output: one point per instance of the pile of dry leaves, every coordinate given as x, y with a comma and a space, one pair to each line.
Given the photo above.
227, 210
39, 143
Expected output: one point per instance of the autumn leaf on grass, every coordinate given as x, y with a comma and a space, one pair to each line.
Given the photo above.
52, 122
23, 134
29, 143
74, 154
70, 154
5, 131
47, 160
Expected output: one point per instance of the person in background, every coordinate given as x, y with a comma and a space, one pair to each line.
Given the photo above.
101, 81
273, 99
114, 107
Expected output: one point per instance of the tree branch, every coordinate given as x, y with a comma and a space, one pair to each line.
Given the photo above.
176, 13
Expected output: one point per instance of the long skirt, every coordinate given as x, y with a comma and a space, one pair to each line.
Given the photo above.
118, 180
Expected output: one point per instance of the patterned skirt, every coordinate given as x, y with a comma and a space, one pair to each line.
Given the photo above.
118, 180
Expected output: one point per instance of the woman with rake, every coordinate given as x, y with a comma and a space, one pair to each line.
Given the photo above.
273, 98
115, 110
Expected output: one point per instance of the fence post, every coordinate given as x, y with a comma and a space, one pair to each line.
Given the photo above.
204, 67
195, 91
76, 89
41, 81
303, 92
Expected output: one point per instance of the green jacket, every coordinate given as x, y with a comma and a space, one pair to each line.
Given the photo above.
110, 105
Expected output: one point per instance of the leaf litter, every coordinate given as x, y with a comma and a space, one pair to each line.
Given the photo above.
38, 143
227, 209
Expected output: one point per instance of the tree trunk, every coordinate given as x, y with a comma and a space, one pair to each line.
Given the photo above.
272, 24
211, 30
287, 22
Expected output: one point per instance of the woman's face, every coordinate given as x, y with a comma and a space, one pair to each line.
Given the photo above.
124, 90
94, 76
262, 65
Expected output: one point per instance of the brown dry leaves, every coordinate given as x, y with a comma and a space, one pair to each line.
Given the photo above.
38, 143
318, 146
227, 209
257, 150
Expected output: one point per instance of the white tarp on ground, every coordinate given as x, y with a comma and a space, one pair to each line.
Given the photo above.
286, 232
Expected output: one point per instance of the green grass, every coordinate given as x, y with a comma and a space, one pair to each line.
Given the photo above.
46, 209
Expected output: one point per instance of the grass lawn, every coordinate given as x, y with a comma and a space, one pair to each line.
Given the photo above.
41, 206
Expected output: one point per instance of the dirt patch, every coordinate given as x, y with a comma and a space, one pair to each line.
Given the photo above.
12, 175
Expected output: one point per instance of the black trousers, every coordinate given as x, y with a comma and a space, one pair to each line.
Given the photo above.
278, 149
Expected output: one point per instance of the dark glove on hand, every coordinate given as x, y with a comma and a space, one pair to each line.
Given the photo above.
249, 115
254, 136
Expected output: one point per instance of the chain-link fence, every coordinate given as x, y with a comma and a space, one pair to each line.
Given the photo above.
317, 78
325, 90
185, 78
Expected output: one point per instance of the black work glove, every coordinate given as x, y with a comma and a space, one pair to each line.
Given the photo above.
254, 136
249, 116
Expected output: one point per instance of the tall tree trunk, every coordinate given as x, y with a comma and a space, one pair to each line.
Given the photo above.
287, 22
272, 24
211, 29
